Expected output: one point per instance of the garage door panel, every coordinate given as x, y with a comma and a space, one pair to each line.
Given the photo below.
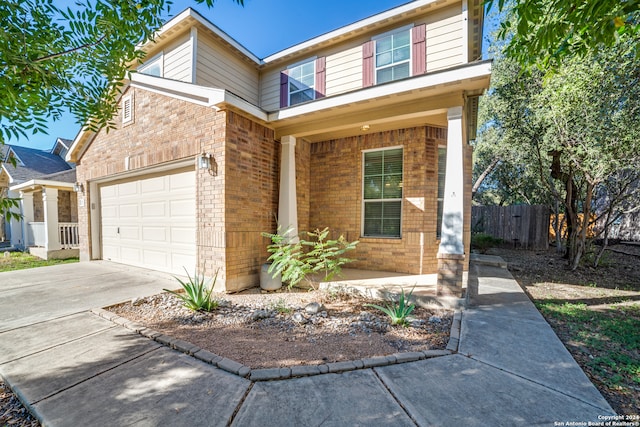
150, 222
131, 255
182, 208
182, 181
154, 185
127, 189
155, 210
182, 235
155, 258
128, 211
154, 234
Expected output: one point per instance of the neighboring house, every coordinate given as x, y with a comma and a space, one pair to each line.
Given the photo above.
364, 129
44, 182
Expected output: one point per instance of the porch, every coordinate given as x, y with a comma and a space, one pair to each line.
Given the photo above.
49, 219
389, 285
68, 240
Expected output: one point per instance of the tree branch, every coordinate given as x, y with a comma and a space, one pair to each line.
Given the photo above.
67, 52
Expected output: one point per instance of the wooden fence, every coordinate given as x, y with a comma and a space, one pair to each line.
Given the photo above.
523, 226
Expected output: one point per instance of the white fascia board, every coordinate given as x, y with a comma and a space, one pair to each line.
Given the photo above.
407, 7
236, 101
4, 168
201, 95
41, 183
210, 26
477, 70
82, 133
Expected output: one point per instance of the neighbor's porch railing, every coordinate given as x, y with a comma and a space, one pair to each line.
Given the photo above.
36, 234
69, 235
68, 232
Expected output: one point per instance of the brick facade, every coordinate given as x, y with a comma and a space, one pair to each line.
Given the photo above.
336, 197
235, 201
238, 199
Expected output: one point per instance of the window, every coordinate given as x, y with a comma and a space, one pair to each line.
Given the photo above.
442, 171
152, 67
302, 82
127, 109
393, 56
382, 193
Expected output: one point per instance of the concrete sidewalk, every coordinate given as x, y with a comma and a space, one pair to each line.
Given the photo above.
74, 368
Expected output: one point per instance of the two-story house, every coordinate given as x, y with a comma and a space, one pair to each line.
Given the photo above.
364, 129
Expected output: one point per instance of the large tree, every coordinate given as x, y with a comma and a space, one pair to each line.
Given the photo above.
542, 32
53, 58
575, 127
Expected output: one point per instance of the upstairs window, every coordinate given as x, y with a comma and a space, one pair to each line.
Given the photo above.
302, 82
382, 193
152, 67
393, 56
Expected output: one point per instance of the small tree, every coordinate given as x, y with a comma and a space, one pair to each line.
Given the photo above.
295, 261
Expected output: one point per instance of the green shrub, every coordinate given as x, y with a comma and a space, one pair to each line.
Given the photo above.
295, 261
397, 310
483, 242
197, 295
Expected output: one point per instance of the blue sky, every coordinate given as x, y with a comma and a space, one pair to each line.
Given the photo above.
262, 26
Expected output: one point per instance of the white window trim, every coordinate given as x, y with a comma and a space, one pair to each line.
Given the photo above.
297, 64
127, 118
375, 50
401, 199
159, 58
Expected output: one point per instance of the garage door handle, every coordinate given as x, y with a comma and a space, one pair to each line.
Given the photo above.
118, 232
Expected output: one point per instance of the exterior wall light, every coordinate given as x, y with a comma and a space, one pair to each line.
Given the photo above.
78, 187
206, 161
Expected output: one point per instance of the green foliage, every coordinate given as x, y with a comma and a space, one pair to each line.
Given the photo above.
543, 32
484, 241
281, 306
197, 295
295, 260
53, 58
612, 337
22, 260
397, 310
8, 207
564, 136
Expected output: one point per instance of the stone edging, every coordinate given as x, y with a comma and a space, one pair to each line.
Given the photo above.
268, 374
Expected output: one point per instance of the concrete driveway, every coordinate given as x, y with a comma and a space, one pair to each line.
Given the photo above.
38, 294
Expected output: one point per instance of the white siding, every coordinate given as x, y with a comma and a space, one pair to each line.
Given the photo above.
344, 63
344, 71
177, 60
270, 91
217, 67
444, 40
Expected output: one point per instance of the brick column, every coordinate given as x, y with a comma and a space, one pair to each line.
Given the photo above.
451, 251
287, 203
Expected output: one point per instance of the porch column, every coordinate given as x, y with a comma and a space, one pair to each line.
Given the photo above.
26, 208
451, 251
50, 207
287, 204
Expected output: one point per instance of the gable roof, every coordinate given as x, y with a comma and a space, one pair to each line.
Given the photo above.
33, 164
190, 17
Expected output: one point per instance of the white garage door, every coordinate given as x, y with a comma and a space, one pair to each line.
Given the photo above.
151, 222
